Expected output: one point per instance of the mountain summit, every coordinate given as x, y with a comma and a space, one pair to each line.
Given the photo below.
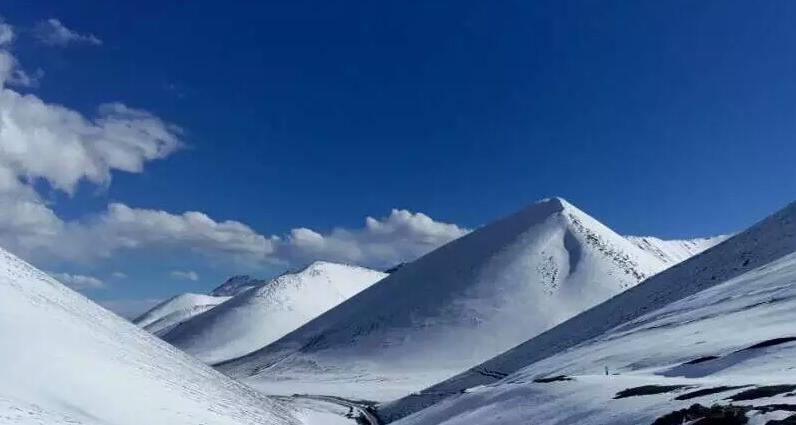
261, 315
732, 296
455, 307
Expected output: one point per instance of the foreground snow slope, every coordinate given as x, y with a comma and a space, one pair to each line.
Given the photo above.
733, 296
672, 252
453, 308
259, 316
65, 360
176, 310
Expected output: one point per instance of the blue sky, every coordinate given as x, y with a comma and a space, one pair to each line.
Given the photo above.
674, 119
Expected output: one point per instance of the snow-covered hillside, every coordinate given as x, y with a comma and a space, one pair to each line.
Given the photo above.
65, 360
172, 312
176, 310
257, 317
455, 307
672, 252
714, 328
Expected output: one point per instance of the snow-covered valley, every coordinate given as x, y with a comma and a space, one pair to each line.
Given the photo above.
552, 316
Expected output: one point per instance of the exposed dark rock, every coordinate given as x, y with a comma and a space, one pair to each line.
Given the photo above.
707, 391
771, 342
698, 414
702, 360
761, 392
553, 379
647, 390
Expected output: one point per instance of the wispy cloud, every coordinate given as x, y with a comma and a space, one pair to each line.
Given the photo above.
78, 281
54, 33
185, 275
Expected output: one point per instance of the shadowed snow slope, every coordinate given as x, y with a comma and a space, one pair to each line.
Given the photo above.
735, 295
236, 285
672, 252
455, 307
176, 310
257, 317
65, 360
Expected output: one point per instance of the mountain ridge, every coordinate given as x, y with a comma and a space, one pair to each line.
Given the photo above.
450, 302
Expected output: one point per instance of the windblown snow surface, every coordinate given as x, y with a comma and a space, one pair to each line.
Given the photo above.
672, 252
453, 308
66, 360
261, 315
717, 329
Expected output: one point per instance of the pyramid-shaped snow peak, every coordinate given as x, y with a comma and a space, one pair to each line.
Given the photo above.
259, 316
733, 295
455, 307
65, 360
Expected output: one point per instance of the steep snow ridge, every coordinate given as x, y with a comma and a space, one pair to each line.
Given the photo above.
672, 252
176, 310
763, 243
236, 285
64, 359
455, 307
259, 316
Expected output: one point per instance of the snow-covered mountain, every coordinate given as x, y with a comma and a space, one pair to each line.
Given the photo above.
672, 252
170, 313
455, 307
715, 329
256, 317
236, 285
176, 310
65, 360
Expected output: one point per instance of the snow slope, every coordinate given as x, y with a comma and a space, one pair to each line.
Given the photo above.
453, 308
170, 313
176, 310
65, 360
672, 252
709, 321
257, 317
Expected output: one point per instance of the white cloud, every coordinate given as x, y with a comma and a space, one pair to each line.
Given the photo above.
53, 33
401, 236
6, 33
119, 275
79, 281
185, 275
45, 142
